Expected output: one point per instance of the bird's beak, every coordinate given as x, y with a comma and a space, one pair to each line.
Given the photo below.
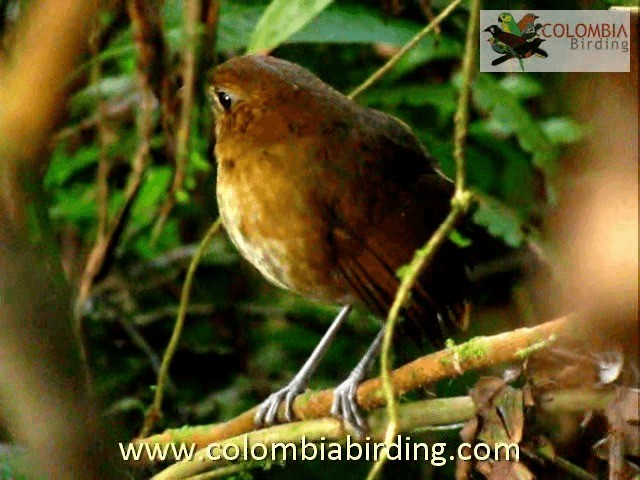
488, 29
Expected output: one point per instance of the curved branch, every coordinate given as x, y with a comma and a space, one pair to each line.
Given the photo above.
477, 353
412, 416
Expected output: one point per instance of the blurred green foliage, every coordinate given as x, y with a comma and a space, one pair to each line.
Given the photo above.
244, 337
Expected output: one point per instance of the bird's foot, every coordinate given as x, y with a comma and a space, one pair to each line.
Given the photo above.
345, 405
267, 413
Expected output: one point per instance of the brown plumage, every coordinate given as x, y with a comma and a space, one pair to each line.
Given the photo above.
325, 197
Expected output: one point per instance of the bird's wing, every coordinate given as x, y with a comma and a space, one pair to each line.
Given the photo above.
387, 204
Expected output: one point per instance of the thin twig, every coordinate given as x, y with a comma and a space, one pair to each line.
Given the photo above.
151, 48
420, 261
210, 18
423, 257
192, 12
425, 6
461, 118
546, 452
105, 245
102, 189
226, 472
140, 342
102, 174
155, 411
382, 71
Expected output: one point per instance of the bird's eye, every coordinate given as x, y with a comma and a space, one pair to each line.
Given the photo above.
224, 99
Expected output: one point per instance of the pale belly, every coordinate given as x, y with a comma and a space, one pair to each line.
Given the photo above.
263, 253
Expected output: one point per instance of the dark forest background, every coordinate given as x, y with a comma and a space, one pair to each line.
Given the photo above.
125, 255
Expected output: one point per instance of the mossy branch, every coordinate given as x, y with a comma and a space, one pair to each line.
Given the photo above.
412, 417
479, 352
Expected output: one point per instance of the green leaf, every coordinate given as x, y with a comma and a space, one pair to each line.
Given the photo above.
428, 50
75, 205
460, 240
337, 24
152, 193
63, 166
562, 130
107, 88
506, 109
522, 86
355, 24
199, 162
509, 174
281, 19
440, 95
500, 221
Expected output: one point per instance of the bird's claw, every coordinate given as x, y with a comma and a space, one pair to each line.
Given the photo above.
346, 407
267, 413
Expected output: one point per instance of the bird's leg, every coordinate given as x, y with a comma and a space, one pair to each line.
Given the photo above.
268, 410
345, 405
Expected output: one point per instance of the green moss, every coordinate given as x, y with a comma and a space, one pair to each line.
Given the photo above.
377, 394
531, 349
304, 398
475, 348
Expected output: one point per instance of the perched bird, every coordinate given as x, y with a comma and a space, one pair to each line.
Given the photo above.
532, 32
499, 47
508, 39
528, 26
523, 51
534, 49
329, 199
508, 24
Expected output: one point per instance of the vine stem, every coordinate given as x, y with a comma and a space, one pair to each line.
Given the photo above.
155, 411
382, 71
460, 203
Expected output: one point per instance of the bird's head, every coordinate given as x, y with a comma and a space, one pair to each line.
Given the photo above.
267, 96
255, 80
528, 18
492, 29
505, 17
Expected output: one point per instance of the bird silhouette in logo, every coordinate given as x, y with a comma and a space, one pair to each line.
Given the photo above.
522, 51
518, 40
528, 26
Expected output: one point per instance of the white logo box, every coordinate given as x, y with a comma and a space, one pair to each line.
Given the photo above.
555, 40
